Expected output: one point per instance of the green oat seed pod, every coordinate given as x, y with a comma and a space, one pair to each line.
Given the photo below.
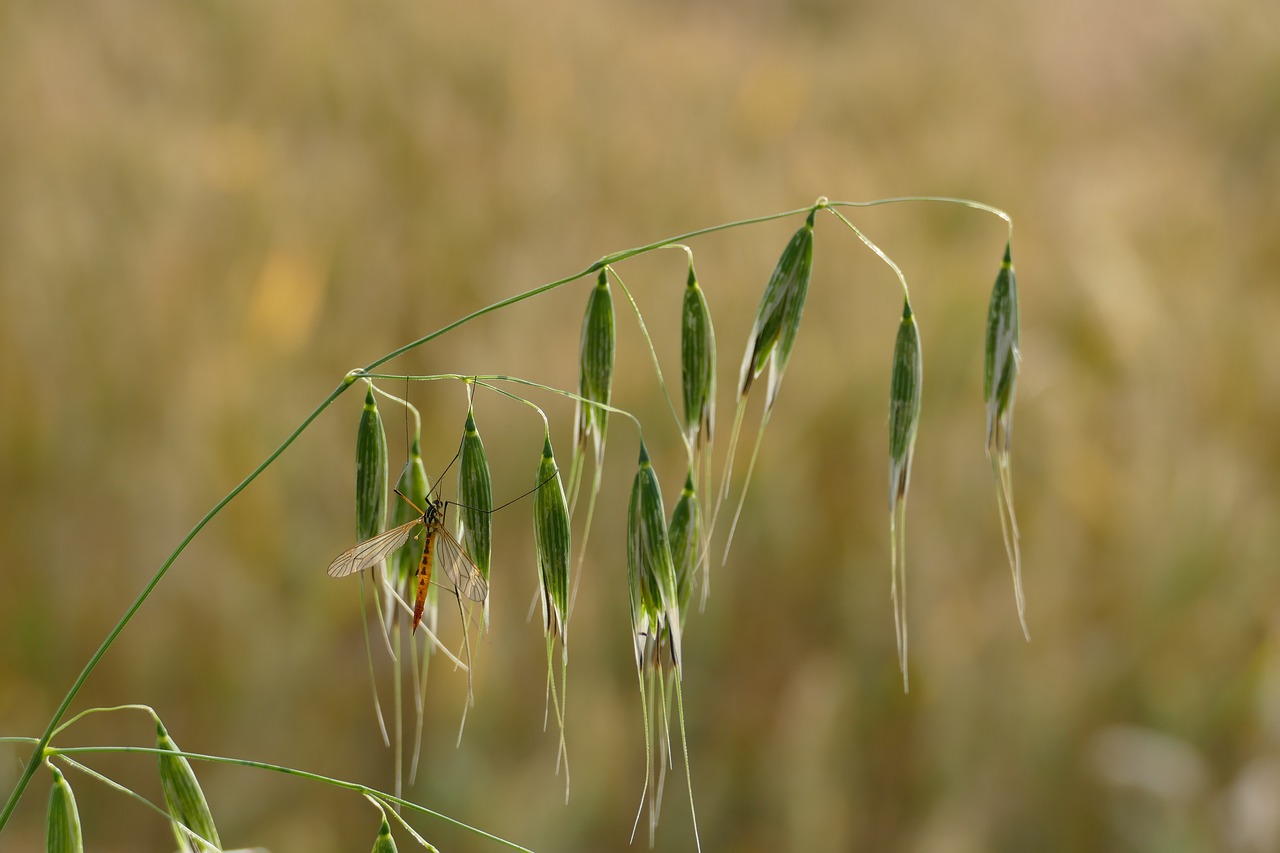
384, 843
371, 472
904, 418
552, 544
697, 363
63, 833
649, 564
596, 355
475, 496
778, 319
999, 381
184, 799
685, 542
413, 484
1000, 371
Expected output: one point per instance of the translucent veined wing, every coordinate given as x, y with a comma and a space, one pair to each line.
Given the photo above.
371, 551
455, 563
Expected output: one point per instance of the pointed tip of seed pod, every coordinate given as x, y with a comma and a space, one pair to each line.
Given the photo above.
160, 730
546, 447
471, 422
809, 220
644, 453
906, 309
370, 402
1008, 258
688, 482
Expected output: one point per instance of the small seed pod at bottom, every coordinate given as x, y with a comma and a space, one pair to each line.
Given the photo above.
552, 544
384, 843
183, 798
63, 834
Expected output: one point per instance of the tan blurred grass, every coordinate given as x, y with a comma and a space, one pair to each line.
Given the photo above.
209, 212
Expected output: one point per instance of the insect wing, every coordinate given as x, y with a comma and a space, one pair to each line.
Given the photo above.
458, 566
371, 551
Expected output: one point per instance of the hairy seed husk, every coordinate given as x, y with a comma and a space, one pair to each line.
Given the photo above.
183, 797
63, 834
372, 472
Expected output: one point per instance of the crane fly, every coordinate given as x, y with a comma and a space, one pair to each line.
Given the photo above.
454, 561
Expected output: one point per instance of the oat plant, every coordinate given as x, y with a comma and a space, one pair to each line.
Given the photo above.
425, 584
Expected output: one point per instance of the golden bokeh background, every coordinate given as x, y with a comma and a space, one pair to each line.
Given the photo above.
210, 211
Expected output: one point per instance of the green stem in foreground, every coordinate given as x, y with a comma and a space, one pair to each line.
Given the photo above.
43, 743
301, 774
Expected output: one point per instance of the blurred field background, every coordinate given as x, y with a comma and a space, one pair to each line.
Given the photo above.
210, 211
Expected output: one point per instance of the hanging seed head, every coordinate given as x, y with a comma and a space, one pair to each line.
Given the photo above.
904, 403
697, 363
63, 834
475, 494
183, 798
685, 544
384, 843
596, 358
1000, 371
371, 471
552, 544
414, 484
649, 566
778, 319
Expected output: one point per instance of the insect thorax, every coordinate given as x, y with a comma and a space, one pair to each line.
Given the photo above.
435, 512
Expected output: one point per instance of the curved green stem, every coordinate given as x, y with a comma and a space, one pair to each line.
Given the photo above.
879, 252
963, 202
